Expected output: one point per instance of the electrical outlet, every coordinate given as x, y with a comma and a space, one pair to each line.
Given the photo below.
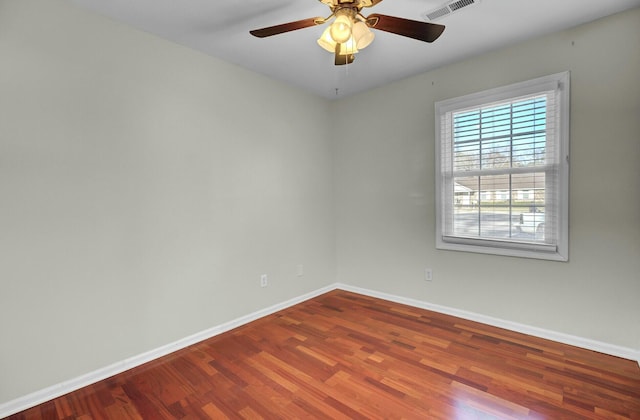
264, 280
428, 274
299, 270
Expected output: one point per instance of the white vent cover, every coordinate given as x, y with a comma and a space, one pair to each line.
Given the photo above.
448, 8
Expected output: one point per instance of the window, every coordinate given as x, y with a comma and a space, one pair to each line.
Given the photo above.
502, 171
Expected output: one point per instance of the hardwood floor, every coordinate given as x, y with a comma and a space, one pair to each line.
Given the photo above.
343, 355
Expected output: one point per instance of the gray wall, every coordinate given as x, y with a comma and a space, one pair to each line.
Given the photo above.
144, 188
386, 203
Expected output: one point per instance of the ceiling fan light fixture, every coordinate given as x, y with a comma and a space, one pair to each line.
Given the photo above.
350, 30
340, 29
362, 35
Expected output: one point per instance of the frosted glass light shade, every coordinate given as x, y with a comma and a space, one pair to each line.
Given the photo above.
362, 34
326, 42
340, 29
348, 47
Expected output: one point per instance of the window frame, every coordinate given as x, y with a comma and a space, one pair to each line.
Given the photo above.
560, 84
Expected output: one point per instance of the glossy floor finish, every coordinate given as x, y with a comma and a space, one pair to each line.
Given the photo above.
343, 355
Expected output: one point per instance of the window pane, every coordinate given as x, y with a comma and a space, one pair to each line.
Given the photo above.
495, 211
467, 146
503, 136
529, 204
503, 207
465, 213
500, 137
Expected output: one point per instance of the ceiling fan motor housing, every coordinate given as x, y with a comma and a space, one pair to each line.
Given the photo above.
355, 4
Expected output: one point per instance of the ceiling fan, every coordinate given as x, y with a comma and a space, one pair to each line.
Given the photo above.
350, 31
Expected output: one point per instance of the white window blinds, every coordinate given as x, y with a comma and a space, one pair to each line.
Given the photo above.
502, 170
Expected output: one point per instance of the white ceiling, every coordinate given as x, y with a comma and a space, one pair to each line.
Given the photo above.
221, 28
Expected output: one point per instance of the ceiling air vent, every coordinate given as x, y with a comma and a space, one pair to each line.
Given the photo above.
448, 8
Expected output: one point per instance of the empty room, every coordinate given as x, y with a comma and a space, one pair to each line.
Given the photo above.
199, 221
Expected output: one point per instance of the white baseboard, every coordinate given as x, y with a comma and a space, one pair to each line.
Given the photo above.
49, 393
585, 343
55, 391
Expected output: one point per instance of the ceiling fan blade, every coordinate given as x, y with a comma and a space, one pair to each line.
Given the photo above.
422, 31
286, 27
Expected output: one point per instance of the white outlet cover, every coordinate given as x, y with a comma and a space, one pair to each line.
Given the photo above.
428, 274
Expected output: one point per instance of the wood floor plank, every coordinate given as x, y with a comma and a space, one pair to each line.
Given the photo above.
347, 356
